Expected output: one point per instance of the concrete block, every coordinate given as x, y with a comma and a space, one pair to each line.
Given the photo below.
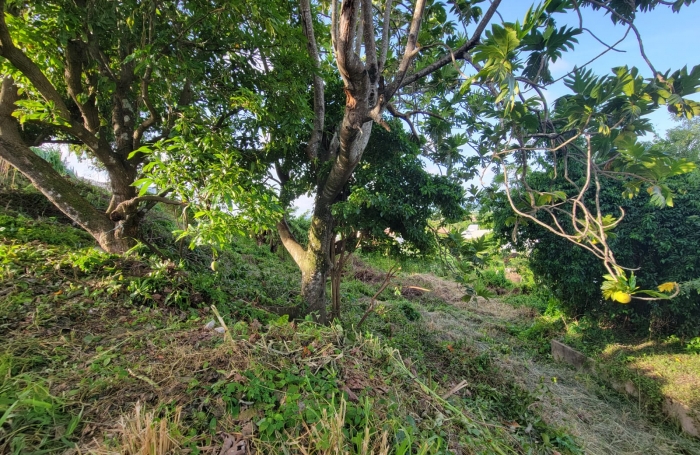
564, 353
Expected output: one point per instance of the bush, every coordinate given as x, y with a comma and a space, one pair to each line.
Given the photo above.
496, 279
655, 242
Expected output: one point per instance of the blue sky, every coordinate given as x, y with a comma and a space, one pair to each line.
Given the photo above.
671, 41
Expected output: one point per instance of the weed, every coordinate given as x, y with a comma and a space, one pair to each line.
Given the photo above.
32, 420
693, 345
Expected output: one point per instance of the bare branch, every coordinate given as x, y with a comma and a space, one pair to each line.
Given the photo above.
334, 27
386, 28
290, 243
73, 74
153, 115
319, 101
460, 53
393, 111
624, 20
410, 51
128, 206
359, 19
373, 301
370, 44
594, 58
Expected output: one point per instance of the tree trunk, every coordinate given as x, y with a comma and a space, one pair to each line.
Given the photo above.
313, 291
314, 261
336, 276
112, 236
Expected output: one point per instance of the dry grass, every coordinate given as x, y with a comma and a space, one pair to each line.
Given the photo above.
327, 437
452, 293
142, 433
603, 421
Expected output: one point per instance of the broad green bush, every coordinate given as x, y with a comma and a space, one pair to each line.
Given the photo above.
659, 244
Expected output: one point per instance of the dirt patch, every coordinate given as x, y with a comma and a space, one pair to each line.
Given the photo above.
446, 290
452, 292
413, 292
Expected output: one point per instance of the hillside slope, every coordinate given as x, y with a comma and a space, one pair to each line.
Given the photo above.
107, 354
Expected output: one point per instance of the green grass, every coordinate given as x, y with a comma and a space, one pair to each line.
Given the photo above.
660, 369
96, 342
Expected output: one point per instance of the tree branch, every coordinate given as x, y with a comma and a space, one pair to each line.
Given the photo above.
319, 100
75, 57
153, 115
410, 51
334, 27
290, 243
459, 53
348, 62
624, 20
386, 28
360, 29
392, 110
124, 208
370, 49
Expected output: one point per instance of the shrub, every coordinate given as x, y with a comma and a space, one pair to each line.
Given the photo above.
655, 242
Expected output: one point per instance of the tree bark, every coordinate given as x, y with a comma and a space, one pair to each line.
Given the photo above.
313, 291
366, 99
314, 261
112, 237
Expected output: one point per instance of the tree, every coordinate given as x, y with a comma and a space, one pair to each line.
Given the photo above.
390, 64
375, 62
653, 242
112, 78
389, 203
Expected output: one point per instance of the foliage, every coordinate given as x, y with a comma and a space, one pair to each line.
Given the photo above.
392, 196
32, 420
232, 204
648, 239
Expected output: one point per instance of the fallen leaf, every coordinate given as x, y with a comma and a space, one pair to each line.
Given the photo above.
233, 446
351, 395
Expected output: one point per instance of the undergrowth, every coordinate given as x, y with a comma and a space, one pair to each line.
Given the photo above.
113, 353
